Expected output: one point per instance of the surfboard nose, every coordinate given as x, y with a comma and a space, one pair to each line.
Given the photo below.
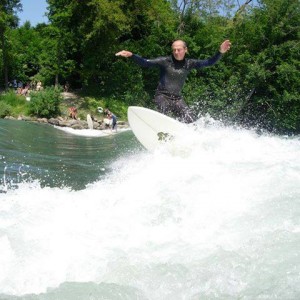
152, 128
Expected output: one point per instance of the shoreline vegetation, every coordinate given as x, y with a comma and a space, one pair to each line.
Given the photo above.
16, 107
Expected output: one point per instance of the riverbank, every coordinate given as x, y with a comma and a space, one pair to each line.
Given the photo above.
64, 120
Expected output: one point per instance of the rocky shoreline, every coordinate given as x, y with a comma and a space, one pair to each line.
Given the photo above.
72, 123
69, 99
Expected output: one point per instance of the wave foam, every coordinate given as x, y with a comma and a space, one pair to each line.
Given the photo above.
215, 219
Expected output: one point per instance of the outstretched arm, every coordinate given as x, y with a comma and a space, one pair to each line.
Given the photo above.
225, 46
143, 62
124, 53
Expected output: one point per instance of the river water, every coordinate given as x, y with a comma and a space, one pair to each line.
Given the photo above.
99, 217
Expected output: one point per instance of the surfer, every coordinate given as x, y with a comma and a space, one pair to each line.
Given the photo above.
174, 70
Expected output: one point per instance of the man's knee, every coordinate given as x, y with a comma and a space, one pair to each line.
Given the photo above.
185, 113
162, 103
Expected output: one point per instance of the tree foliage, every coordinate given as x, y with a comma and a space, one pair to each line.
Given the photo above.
8, 20
25, 64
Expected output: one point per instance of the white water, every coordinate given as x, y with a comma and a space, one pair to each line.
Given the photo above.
90, 132
216, 219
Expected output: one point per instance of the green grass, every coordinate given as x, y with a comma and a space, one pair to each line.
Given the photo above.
12, 104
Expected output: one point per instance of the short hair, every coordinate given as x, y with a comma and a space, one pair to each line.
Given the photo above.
183, 42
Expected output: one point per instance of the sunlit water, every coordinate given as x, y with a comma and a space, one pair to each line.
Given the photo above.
215, 216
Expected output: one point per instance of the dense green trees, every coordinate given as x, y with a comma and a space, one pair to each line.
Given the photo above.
26, 49
8, 20
268, 53
257, 83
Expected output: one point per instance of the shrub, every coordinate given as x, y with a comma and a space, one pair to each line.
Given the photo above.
5, 109
45, 103
10, 98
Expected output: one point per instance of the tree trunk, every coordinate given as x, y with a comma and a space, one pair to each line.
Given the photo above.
4, 59
56, 80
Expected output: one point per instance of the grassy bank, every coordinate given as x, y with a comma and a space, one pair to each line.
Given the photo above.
13, 105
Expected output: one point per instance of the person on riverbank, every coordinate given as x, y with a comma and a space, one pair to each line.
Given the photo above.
73, 112
39, 86
112, 118
66, 87
15, 84
174, 70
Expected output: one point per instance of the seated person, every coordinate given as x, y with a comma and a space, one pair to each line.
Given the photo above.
73, 112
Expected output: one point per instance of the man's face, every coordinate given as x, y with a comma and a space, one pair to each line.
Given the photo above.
179, 50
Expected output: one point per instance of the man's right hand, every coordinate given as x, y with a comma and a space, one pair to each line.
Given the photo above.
124, 53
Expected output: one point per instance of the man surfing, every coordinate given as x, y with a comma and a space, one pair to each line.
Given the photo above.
174, 70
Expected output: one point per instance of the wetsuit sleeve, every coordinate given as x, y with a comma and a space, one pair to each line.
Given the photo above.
144, 62
196, 63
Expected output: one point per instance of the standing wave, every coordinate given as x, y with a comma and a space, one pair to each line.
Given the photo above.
214, 216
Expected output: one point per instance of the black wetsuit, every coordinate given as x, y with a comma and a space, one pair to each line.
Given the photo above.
173, 74
114, 121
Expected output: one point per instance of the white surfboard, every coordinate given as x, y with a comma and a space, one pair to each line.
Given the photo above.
152, 128
90, 121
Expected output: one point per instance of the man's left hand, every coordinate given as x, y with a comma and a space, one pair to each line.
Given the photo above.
225, 46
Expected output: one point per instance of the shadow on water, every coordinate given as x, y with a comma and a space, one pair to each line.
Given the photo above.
32, 151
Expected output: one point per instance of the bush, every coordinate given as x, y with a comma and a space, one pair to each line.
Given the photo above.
89, 103
12, 104
5, 109
45, 103
10, 98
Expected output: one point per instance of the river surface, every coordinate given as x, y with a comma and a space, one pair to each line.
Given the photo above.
91, 216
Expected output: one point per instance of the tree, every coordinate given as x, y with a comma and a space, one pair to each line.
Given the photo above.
26, 49
8, 20
86, 32
267, 58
